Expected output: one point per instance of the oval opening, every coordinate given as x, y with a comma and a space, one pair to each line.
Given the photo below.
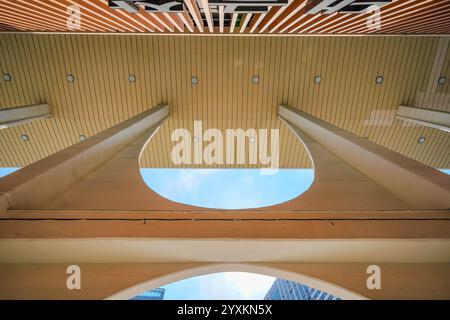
228, 188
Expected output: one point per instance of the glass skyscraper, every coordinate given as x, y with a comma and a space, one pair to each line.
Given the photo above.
155, 294
289, 290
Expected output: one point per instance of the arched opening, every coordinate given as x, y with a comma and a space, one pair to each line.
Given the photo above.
215, 286
319, 288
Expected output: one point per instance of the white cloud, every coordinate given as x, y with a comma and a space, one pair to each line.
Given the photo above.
249, 286
224, 285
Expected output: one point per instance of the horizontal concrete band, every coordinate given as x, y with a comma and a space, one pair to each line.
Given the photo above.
234, 229
217, 214
128, 250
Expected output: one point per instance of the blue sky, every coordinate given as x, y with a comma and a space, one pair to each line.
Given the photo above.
6, 171
226, 189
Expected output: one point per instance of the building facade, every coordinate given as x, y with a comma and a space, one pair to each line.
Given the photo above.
155, 294
289, 290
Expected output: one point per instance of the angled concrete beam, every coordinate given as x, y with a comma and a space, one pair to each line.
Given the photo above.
426, 117
46, 179
126, 5
15, 116
417, 185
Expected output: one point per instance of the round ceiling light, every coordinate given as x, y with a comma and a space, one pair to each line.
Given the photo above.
379, 79
255, 79
442, 80
132, 78
82, 137
7, 77
317, 79
70, 78
24, 137
194, 80
421, 140
252, 139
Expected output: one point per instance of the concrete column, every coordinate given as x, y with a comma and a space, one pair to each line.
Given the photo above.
341, 156
20, 115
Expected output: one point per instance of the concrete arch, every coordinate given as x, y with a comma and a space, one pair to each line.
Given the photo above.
236, 267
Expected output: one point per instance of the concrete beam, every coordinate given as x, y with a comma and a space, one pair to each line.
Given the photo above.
20, 115
98, 249
315, 227
417, 185
436, 119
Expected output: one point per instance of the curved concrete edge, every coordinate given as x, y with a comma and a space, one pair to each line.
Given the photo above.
322, 285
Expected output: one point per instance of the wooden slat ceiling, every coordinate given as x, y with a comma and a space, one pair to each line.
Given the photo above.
398, 17
225, 96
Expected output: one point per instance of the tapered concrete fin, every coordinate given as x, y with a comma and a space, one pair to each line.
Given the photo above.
20, 115
436, 119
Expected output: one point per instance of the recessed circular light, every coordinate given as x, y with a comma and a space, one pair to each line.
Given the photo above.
82, 137
255, 79
421, 140
442, 80
70, 78
7, 77
317, 79
194, 80
24, 137
196, 139
379, 79
132, 78
252, 139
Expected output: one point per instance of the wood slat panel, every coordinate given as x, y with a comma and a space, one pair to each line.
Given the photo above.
400, 17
